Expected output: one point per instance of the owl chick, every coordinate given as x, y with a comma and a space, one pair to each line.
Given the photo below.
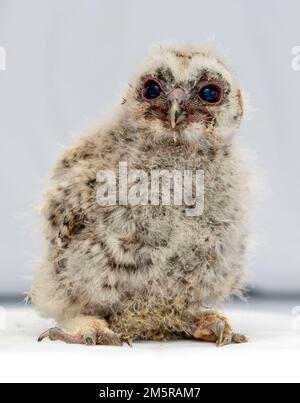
120, 270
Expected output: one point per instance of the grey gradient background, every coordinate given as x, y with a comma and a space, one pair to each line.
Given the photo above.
67, 62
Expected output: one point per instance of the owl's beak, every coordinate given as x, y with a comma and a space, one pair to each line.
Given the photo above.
174, 112
176, 115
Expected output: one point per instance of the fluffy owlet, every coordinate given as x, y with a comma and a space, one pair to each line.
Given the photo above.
126, 261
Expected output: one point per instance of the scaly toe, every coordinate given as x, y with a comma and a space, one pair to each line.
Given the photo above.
239, 338
108, 338
57, 334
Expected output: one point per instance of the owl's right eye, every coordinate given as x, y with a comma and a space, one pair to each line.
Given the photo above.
152, 89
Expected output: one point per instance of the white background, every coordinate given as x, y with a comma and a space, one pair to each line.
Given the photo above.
272, 354
67, 62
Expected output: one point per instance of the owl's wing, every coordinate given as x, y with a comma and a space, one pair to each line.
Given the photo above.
71, 196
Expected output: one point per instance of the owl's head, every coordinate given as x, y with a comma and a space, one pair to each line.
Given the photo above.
186, 92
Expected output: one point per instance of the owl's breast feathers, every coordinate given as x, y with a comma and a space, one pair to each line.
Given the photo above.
125, 251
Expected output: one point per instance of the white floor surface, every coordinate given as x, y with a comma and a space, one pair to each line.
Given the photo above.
272, 355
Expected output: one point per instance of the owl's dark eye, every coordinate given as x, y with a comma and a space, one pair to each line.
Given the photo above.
210, 93
152, 89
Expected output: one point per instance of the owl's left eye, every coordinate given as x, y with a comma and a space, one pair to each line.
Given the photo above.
210, 93
152, 89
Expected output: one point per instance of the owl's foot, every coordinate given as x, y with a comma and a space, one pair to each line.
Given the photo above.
85, 330
215, 328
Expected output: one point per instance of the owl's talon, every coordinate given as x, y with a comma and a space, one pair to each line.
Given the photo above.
43, 336
92, 333
127, 340
218, 328
51, 334
227, 339
215, 328
90, 341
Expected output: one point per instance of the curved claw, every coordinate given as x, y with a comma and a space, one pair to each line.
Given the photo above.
127, 340
219, 328
50, 334
44, 336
